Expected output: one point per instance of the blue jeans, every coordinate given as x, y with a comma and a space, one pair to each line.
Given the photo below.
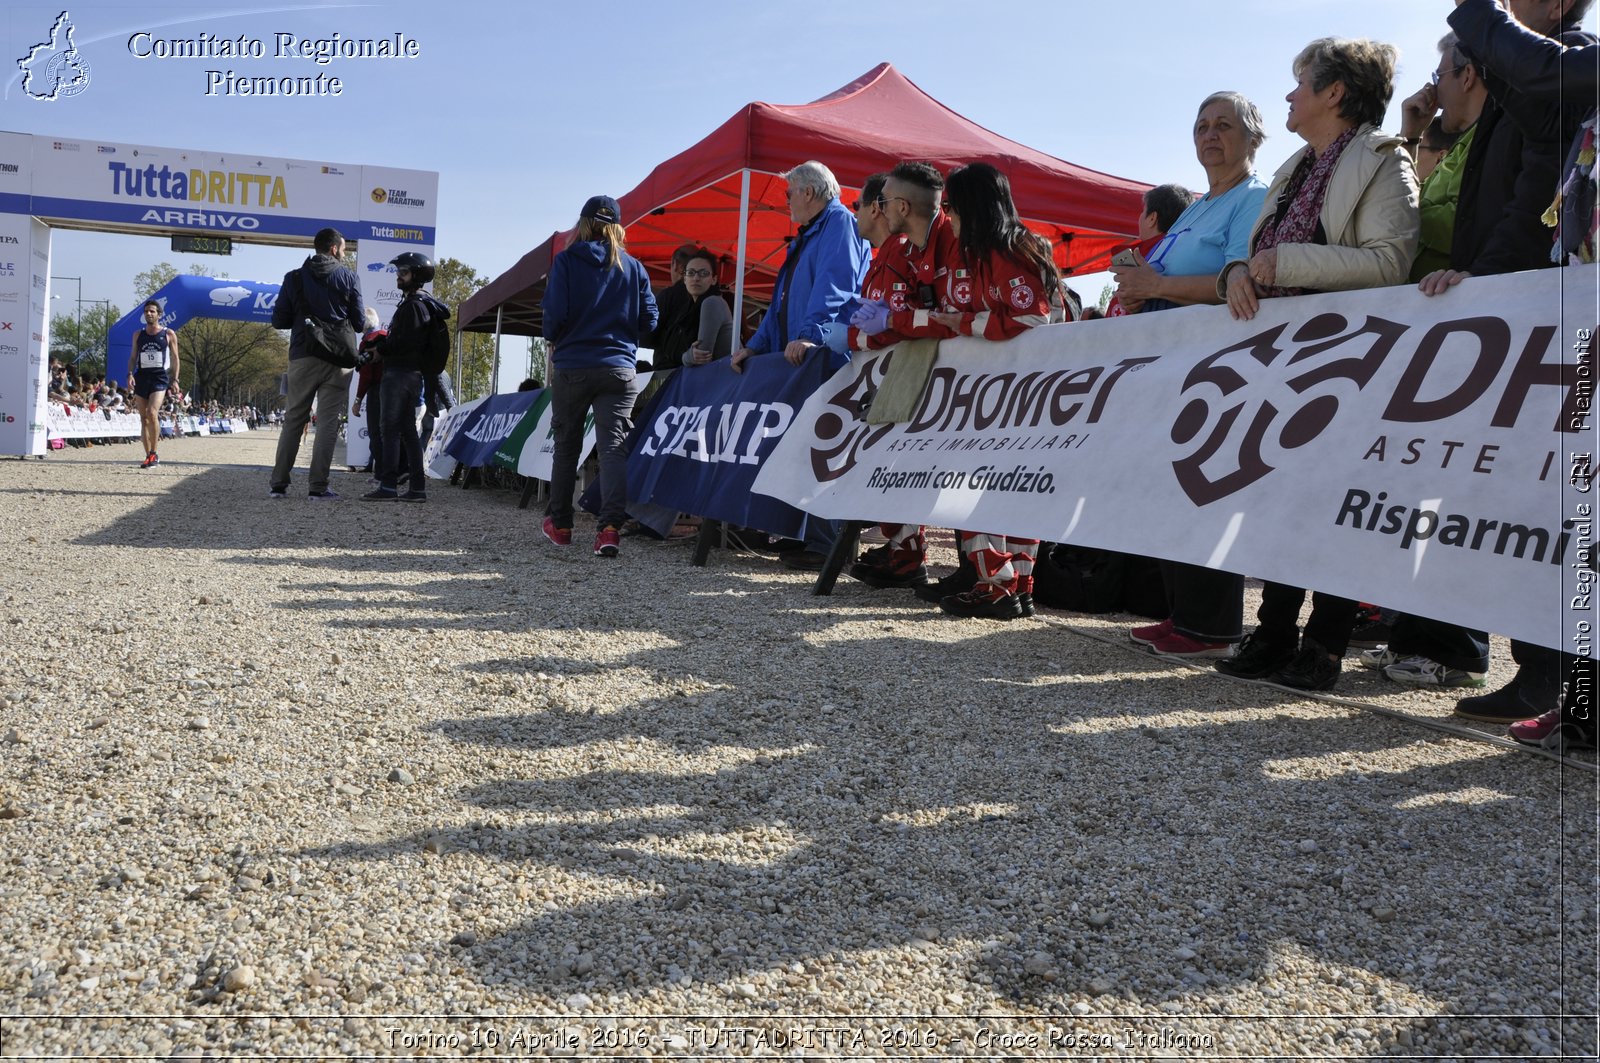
399, 392
609, 391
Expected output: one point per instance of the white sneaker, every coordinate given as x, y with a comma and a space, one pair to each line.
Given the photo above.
1425, 672
1379, 659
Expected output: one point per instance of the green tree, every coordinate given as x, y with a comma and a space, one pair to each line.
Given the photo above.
454, 282
231, 362
153, 279
85, 346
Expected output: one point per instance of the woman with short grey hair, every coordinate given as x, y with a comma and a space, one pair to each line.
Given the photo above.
1341, 214
1205, 606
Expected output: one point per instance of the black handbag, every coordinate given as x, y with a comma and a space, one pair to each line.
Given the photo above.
332, 341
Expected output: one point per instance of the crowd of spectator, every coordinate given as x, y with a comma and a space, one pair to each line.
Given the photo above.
1492, 172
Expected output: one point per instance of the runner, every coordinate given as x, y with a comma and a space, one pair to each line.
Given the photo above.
152, 369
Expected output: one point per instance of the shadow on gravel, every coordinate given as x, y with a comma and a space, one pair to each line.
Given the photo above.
976, 797
847, 825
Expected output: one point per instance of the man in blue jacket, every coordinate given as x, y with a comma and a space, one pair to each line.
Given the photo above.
325, 289
822, 271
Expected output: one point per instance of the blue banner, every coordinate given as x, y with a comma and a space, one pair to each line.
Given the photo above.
708, 432
488, 426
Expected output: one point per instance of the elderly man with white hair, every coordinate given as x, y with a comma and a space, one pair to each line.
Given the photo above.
822, 271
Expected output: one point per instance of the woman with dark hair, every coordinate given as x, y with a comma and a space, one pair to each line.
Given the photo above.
596, 304
707, 325
1340, 214
1012, 285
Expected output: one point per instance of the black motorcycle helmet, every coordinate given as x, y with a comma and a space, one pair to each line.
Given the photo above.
420, 265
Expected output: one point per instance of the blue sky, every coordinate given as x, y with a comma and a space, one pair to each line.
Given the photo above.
526, 109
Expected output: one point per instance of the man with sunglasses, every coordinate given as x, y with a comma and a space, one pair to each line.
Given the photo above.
929, 273
918, 271
1455, 90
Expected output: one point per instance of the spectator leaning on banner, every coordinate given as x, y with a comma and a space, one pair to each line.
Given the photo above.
325, 289
1340, 215
820, 274
1013, 286
916, 272
1205, 605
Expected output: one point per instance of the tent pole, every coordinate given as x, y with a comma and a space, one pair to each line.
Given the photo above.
494, 377
738, 275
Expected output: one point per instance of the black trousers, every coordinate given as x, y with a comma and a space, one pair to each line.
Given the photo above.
1329, 626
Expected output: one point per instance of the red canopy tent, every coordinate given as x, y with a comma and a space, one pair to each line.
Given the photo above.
725, 193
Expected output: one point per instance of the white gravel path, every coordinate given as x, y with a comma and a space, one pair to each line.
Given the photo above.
324, 780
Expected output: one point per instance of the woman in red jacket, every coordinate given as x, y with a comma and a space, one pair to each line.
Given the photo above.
1010, 285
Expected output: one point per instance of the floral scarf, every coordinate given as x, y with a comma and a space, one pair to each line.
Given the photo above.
1299, 215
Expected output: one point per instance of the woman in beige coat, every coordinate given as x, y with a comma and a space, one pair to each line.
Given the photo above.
1340, 214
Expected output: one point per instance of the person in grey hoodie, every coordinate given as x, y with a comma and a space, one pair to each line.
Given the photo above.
597, 303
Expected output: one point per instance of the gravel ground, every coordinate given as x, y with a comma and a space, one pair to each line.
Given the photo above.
321, 780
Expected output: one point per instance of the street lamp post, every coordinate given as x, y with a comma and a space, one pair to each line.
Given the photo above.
77, 340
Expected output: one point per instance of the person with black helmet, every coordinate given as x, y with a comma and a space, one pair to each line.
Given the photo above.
405, 360
596, 305
322, 288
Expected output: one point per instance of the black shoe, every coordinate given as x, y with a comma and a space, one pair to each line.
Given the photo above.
1025, 600
414, 496
381, 494
877, 556
1311, 669
1517, 700
884, 577
809, 560
1371, 635
786, 546
978, 604
1255, 658
958, 582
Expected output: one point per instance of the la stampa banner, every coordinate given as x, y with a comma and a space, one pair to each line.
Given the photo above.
1431, 455
702, 440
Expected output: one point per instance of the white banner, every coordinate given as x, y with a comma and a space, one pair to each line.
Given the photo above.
74, 422
1431, 455
439, 464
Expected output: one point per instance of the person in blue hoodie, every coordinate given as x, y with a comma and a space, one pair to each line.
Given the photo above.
597, 303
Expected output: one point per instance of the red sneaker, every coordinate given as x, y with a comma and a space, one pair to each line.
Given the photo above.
1176, 645
606, 543
1151, 634
559, 536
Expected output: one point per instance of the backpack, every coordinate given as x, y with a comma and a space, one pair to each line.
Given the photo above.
436, 343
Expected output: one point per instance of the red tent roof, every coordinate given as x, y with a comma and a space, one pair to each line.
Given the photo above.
865, 127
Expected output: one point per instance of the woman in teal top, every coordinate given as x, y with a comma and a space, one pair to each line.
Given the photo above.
1206, 605
1182, 269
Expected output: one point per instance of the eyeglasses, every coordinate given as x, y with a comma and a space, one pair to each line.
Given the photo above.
884, 201
697, 274
790, 193
1434, 77
947, 208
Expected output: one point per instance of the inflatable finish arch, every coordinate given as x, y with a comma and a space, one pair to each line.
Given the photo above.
182, 300
101, 186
